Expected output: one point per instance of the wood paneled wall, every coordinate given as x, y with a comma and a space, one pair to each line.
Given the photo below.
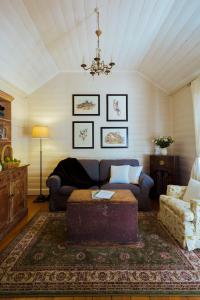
51, 105
183, 131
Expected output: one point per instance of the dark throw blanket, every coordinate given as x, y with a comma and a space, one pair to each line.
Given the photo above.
72, 173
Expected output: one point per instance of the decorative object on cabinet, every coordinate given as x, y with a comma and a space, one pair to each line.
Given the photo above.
40, 132
114, 137
82, 135
86, 105
117, 107
13, 197
163, 142
9, 162
164, 169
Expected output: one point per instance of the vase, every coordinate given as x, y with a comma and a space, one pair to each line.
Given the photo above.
163, 151
157, 150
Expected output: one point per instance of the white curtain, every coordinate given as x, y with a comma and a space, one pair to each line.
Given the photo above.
195, 87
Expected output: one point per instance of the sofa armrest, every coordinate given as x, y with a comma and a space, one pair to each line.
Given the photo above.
145, 182
176, 191
54, 183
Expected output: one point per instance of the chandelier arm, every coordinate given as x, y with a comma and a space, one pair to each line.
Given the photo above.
86, 69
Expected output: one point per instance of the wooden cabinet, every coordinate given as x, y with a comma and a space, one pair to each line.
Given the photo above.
164, 169
13, 197
13, 182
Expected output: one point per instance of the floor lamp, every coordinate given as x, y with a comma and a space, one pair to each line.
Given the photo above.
40, 132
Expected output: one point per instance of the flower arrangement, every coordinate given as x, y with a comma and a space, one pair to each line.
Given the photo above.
163, 141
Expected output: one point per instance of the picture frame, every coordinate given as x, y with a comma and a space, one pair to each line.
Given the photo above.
114, 137
82, 135
117, 107
85, 104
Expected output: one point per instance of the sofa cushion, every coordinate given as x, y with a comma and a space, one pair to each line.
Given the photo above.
92, 167
134, 174
119, 174
94, 187
67, 189
122, 186
104, 166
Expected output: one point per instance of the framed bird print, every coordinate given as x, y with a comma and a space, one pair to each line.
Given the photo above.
117, 107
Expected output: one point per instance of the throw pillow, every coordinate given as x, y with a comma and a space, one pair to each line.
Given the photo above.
134, 174
119, 174
193, 190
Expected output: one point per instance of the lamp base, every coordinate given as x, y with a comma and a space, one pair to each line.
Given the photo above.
40, 198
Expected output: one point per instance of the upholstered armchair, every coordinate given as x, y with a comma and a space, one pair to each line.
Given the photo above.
182, 218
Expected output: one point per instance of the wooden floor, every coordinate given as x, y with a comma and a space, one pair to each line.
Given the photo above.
33, 209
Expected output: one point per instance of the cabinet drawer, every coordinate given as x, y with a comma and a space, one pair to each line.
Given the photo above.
162, 162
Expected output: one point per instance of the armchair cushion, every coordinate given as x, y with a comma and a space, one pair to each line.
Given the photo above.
176, 191
193, 190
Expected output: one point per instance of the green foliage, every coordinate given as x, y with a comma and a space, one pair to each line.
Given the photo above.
163, 141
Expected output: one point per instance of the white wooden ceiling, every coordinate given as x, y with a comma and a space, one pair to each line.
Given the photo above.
158, 38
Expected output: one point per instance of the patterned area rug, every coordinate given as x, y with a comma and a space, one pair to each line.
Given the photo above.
39, 263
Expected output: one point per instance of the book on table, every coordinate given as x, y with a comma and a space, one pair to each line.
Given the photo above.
102, 194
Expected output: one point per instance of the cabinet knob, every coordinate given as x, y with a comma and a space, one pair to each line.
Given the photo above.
161, 162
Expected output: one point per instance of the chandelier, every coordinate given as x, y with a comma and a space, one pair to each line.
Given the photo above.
98, 67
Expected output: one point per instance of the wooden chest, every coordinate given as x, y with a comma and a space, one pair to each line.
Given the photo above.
107, 221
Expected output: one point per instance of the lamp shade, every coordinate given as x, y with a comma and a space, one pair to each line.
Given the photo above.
40, 132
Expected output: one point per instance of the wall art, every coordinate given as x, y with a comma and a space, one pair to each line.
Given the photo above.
117, 107
114, 137
82, 135
86, 105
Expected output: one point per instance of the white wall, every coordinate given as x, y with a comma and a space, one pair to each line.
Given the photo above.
183, 131
19, 107
52, 105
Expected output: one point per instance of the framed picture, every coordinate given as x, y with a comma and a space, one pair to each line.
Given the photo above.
114, 137
86, 105
117, 107
82, 135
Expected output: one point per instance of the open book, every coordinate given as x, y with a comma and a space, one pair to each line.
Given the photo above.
102, 194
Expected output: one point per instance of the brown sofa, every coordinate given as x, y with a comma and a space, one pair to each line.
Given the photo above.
100, 171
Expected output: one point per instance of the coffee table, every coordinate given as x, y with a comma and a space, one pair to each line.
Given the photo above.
102, 221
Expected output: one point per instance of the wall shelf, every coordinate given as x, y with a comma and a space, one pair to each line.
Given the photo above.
4, 119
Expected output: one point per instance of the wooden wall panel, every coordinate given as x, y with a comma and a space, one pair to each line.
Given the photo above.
183, 124
52, 105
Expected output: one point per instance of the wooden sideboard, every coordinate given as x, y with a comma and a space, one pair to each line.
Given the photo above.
13, 197
164, 169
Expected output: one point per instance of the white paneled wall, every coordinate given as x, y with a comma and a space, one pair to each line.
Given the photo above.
52, 105
20, 138
183, 127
